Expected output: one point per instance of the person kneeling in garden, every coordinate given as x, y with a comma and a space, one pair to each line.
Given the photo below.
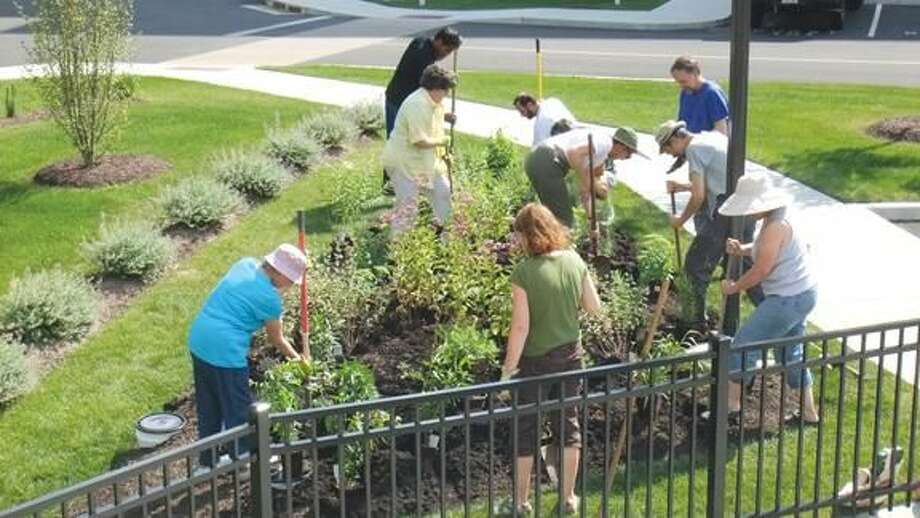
246, 299
781, 268
415, 155
548, 289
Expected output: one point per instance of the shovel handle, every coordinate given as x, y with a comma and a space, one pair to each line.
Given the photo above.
676, 234
593, 207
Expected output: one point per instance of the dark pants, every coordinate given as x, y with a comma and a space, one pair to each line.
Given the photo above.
706, 252
222, 400
546, 168
390, 110
561, 359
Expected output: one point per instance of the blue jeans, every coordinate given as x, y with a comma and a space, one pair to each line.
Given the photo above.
391, 108
777, 317
222, 400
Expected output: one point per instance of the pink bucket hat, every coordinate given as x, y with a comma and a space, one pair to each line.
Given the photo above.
289, 261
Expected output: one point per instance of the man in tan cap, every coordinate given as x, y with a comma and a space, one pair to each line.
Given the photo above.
706, 153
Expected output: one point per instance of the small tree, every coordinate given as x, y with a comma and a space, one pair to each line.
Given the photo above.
76, 46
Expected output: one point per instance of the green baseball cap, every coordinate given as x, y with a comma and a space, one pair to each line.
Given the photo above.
629, 138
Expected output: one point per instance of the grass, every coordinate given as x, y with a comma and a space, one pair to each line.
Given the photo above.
813, 133
180, 122
634, 5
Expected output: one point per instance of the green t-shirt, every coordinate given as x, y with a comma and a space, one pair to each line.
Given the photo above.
553, 286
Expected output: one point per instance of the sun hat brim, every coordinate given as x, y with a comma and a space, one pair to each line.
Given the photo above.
743, 205
632, 148
273, 261
670, 134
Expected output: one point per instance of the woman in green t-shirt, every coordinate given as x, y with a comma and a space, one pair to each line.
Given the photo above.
548, 289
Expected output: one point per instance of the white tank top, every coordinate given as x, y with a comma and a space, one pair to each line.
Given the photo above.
791, 274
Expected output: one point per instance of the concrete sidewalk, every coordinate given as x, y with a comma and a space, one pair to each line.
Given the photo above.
866, 265
673, 15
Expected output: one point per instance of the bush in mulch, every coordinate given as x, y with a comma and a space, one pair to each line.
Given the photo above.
901, 129
49, 306
199, 203
108, 170
254, 176
329, 128
292, 148
368, 116
130, 250
14, 372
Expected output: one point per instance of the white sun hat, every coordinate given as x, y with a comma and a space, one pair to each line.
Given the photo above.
754, 194
289, 261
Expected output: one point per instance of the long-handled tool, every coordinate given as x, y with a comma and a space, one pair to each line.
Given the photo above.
453, 122
593, 207
304, 298
539, 71
650, 332
674, 167
732, 267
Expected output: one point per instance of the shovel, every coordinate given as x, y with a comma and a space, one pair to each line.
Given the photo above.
674, 167
593, 208
453, 112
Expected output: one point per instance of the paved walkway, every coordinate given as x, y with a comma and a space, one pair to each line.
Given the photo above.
867, 266
673, 15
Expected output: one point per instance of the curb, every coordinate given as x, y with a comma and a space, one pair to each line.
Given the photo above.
296, 7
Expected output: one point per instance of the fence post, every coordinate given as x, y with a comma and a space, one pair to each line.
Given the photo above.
718, 412
261, 467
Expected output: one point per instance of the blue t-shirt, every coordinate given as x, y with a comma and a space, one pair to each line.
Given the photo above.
703, 108
240, 304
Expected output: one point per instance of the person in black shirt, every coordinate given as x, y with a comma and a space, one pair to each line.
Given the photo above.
420, 53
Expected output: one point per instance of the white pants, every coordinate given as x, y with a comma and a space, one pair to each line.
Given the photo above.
408, 190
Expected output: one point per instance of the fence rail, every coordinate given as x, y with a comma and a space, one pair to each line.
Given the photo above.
685, 452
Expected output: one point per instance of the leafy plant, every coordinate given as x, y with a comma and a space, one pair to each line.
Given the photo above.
352, 192
501, 154
199, 202
685, 296
463, 350
76, 45
292, 148
285, 388
15, 377
613, 331
125, 87
368, 117
255, 176
663, 347
10, 101
329, 128
654, 259
132, 249
48, 306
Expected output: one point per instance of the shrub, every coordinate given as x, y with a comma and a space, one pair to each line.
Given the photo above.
292, 148
352, 192
199, 203
612, 332
14, 372
285, 388
130, 250
368, 116
684, 290
329, 128
9, 102
501, 154
255, 176
48, 306
662, 348
462, 352
654, 259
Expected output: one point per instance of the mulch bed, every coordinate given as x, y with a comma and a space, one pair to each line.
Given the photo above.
901, 129
109, 170
25, 118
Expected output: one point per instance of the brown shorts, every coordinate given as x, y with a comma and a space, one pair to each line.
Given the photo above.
561, 359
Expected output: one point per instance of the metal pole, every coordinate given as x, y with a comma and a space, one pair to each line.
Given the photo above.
740, 56
262, 452
718, 414
539, 71
304, 297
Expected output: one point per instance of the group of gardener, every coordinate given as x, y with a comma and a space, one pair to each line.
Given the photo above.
552, 284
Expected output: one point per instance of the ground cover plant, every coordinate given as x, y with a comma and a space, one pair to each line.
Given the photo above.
819, 140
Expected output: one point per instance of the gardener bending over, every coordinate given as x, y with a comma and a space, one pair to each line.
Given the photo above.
703, 105
544, 114
548, 289
549, 163
706, 154
245, 300
781, 268
415, 155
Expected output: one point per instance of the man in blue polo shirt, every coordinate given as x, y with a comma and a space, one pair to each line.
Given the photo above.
703, 105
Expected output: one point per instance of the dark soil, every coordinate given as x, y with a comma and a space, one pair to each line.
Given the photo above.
25, 118
901, 129
109, 170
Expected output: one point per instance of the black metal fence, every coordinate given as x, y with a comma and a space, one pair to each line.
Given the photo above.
682, 452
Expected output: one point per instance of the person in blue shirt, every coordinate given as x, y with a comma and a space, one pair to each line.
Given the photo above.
703, 105
246, 299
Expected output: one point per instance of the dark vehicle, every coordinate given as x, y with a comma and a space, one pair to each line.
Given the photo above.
802, 14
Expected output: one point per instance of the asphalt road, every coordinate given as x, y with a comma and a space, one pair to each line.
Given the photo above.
173, 29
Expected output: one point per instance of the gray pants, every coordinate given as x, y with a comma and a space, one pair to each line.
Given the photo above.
706, 252
546, 169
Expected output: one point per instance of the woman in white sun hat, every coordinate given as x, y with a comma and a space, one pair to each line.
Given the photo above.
781, 268
246, 299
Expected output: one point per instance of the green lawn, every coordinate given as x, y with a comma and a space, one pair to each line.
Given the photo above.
180, 122
814, 133
635, 5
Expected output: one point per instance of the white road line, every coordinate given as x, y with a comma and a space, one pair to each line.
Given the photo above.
878, 14
264, 9
258, 30
766, 59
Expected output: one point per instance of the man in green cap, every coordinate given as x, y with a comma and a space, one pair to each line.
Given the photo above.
706, 154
